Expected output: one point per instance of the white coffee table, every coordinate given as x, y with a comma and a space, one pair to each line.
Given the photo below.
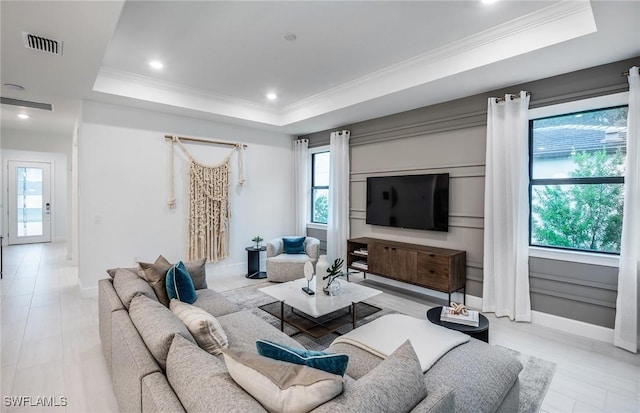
319, 314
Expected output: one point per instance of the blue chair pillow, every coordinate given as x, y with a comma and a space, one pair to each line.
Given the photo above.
331, 363
293, 245
179, 284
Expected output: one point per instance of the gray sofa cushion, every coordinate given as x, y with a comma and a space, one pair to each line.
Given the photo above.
202, 382
158, 396
395, 385
128, 285
214, 303
244, 328
460, 369
157, 325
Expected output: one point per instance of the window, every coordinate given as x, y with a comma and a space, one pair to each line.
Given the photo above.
320, 187
576, 180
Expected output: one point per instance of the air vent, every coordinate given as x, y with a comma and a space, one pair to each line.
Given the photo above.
31, 41
26, 103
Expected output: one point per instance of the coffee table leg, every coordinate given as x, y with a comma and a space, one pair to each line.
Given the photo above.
353, 315
281, 315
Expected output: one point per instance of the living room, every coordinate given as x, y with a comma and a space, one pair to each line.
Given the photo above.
114, 187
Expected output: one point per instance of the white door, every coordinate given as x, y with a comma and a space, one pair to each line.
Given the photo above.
29, 202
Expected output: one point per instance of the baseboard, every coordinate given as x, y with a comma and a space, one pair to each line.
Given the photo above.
567, 325
555, 322
87, 292
224, 268
579, 328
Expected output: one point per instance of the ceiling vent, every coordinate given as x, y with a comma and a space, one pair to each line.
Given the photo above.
42, 44
26, 103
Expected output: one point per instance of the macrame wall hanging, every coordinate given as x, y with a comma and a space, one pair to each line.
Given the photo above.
209, 206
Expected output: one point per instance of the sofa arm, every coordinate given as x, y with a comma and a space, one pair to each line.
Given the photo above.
274, 247
312, 247
439, 401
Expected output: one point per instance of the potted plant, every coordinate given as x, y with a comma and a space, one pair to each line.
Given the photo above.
331, 285
257, 239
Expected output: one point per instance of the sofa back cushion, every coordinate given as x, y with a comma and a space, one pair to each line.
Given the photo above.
157, 325
128, 284
202, 382
395, 385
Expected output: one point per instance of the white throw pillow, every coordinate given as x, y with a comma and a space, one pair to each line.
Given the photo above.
204, 327
280, 386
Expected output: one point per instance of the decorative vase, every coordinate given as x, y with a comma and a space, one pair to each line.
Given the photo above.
321, 271
334, 288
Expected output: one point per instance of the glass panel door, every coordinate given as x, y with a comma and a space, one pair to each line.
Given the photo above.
29, 202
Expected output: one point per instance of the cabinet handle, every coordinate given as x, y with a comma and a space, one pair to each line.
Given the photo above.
432, 255
432, 272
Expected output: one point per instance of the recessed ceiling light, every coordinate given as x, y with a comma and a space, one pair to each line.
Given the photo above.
156, 64
272, 96
13, 86
23, 116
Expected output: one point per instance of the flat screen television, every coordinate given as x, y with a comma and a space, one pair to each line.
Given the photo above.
409, 201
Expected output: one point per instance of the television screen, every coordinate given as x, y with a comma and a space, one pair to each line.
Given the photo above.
410, 201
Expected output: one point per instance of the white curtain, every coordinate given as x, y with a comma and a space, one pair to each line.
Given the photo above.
301, 186
338, 220
506, 209
627, 319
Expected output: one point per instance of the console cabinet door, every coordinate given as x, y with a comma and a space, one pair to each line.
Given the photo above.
379, 259
393, 262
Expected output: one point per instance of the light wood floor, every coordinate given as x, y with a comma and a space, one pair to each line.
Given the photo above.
50, 343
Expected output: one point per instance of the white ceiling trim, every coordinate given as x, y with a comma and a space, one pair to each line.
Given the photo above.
551, 25
121, 83
548, 26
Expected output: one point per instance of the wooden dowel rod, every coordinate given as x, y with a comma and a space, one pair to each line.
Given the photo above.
184, 138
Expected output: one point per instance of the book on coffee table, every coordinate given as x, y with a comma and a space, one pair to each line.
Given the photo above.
471, 319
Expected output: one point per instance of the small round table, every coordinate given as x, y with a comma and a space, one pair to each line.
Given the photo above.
481, 332
253, 263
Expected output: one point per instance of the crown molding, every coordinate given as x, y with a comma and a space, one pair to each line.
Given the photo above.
551, 25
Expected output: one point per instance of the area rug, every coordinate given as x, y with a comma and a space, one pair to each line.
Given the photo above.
535, 376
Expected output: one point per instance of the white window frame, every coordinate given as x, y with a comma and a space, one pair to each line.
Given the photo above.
599, 102
312, 151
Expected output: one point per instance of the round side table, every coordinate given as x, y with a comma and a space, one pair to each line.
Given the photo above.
253, 263
481, 332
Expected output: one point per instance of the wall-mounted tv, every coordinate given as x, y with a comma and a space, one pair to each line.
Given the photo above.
409, 201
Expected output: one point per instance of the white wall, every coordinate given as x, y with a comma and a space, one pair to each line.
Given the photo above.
41, 146
123, 188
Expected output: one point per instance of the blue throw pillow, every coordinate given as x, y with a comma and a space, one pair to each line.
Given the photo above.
179, 284
331, 363
293, 245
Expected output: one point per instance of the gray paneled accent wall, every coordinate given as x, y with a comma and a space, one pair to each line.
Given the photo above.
450, 137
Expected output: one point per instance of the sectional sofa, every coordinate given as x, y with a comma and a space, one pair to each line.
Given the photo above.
149, 374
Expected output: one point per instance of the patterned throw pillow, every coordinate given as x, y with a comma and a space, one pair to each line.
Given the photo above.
204, 327
280, 386
329, 362
179, 284
293, 245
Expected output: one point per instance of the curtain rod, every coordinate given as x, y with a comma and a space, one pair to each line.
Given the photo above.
511, 95
185, 138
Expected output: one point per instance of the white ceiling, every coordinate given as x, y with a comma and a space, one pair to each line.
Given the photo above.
351, 61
